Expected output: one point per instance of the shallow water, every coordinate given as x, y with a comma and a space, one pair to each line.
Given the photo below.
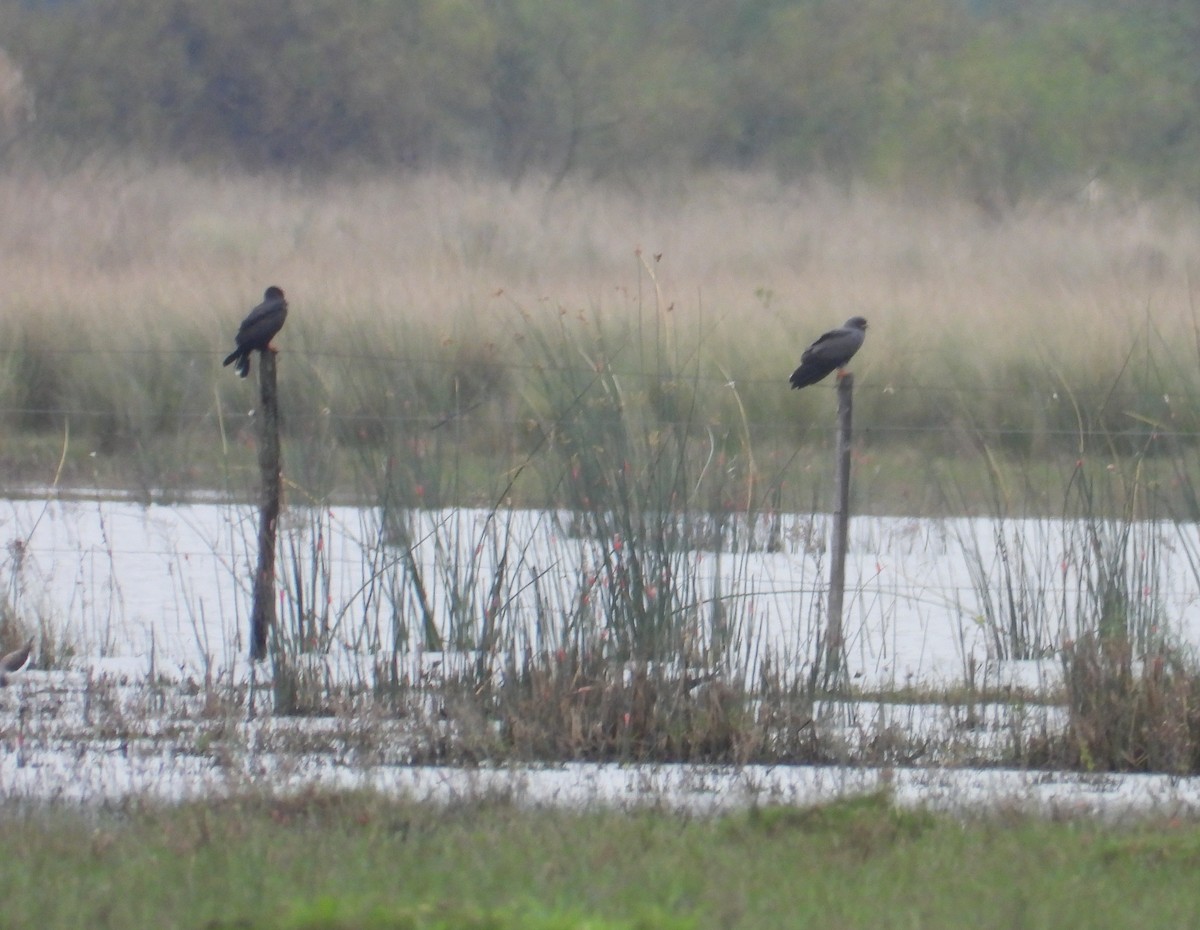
145, 595
47, 761
166, 588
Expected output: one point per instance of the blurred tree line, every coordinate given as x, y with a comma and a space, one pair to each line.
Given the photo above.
995, 98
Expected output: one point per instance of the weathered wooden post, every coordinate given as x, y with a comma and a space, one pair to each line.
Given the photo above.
832, 352
262, 616
255, 335
834, 641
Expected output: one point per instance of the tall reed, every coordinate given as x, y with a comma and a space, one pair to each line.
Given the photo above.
124, 284
633, 617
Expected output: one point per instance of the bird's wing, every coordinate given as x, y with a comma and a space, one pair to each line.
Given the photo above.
262, 324
835, 347
257, 315
810, 372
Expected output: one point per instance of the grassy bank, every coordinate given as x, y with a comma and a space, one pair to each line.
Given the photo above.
361, 862
426, 311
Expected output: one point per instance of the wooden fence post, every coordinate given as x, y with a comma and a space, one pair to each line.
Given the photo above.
262, 616
834, 640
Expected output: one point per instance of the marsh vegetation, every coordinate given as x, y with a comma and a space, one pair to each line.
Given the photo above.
616, 362
550, 499
447, 324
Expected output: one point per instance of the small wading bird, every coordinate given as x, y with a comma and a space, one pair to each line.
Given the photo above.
832, 351
258, 329
14, 661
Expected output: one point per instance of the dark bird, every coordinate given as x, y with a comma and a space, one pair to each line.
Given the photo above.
258, 329
832, 351
14, 661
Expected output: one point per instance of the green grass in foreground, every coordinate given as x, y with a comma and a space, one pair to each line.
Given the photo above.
356, 861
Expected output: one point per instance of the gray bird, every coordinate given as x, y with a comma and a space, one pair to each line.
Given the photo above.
14, 661
258, 329
832, 351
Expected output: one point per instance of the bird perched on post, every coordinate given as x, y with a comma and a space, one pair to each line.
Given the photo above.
14, 661
258, 329
832, 351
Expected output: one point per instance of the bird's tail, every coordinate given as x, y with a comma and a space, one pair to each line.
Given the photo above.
801, 378
242, 359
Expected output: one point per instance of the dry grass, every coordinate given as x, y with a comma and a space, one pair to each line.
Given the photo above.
124, 283
125, 246
1130, 712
